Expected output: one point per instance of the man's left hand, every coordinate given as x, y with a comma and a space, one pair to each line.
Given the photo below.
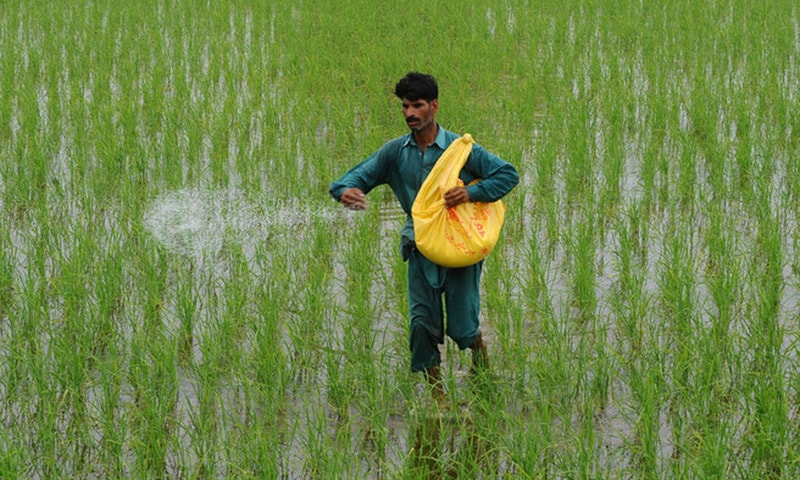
455, 196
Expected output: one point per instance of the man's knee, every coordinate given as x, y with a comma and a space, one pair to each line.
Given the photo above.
424, 345
466, 341
422, 329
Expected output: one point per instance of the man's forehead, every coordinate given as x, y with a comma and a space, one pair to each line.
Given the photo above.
419, 101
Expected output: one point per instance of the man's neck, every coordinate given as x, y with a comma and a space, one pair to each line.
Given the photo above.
427, 136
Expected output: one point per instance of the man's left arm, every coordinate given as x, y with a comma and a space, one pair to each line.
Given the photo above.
498, 177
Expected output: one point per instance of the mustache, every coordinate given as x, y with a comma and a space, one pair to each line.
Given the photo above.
412, 119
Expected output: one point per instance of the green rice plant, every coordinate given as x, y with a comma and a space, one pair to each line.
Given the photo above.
677, 297
235, 312
628, 302
767, 414
591, 330
536, 277
359, 271
109, 312
550, 361
216, 403
357, 356
652, 163
267, 384
723, 276
12, 460
151, 283
584, 458
613, 167
532, 451
306, 327
640, 357
578, 176
23, 357
582, 250
107, 412
341, 386
703, 139
545, 188
326, 450
646, 378
508, 322
204, 423
152, 376
8, 288
187, 302
745, 162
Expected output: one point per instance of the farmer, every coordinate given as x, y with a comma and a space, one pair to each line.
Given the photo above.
403, 164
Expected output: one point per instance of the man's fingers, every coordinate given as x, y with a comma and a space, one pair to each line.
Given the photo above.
354, 199
356, 205
455, 196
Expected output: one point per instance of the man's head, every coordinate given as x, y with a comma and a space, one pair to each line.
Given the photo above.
420, 96
415, 86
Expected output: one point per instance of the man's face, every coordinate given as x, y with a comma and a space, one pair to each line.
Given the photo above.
419, 114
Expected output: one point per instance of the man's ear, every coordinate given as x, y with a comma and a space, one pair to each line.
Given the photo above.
435, 105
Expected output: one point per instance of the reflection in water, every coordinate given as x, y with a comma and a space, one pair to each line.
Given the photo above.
426, 449
449, 447
455, 443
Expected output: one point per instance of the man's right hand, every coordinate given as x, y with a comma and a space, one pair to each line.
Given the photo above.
354, 199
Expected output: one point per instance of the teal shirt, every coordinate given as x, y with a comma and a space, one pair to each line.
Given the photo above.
403, 166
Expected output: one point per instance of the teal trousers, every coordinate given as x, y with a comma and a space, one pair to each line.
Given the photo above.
442, 301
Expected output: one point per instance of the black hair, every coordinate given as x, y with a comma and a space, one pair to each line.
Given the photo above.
417, 85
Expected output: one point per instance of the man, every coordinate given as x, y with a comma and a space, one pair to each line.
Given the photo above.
403, 164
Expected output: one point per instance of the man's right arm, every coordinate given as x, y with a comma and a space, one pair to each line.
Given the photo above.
351, 188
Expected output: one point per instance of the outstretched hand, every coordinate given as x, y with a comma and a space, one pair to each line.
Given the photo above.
455, 196
354, 199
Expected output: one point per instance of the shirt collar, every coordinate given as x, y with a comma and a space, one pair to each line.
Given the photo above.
439, 141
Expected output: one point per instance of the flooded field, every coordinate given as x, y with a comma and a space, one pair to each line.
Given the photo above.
179, 297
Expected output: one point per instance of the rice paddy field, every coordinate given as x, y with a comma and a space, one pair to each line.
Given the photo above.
180, 297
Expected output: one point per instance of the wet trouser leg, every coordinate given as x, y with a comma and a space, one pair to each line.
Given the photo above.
427, 283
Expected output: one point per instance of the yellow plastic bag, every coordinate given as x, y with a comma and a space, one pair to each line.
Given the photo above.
458, 236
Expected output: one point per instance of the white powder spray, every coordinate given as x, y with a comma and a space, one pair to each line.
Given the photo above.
196, 222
